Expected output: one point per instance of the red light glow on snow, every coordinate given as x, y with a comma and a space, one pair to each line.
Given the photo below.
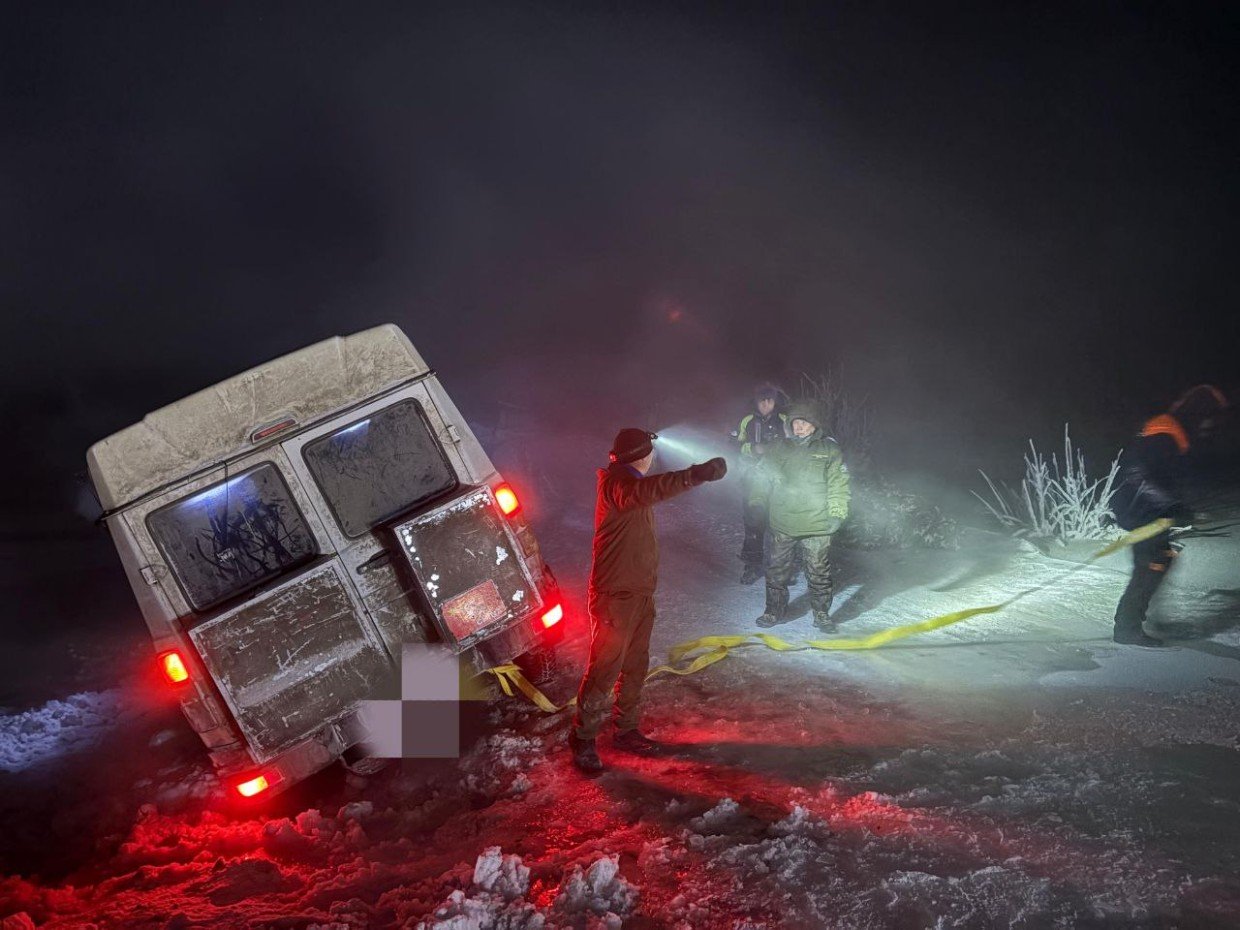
757, 797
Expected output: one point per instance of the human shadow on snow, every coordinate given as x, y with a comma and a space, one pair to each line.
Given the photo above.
1209, 615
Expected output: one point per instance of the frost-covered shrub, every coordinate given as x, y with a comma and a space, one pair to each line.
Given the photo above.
846, 417
883, 515
1054, 502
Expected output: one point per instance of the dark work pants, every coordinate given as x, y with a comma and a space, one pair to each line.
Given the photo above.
1151, 560
816, 551
752, 549
620, 626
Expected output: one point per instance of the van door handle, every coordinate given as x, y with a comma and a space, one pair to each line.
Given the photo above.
382, 557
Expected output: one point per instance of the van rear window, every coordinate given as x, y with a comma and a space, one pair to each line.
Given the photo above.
379, 467
232, 536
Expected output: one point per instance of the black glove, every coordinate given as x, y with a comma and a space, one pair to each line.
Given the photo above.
833, 525
713, 470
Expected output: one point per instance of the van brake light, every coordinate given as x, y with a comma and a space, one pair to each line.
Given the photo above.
553, 616
174, 667
258, 784
263, 432
506, 497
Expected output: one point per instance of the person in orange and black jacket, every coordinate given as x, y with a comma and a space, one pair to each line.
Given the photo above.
623, 577
1152, 471
760, 430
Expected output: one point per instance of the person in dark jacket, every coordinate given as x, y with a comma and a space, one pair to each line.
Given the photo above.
1151, 486
805, 486
760, 430
623, 577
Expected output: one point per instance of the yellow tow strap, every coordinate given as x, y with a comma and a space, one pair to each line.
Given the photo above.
718, 647
510, 676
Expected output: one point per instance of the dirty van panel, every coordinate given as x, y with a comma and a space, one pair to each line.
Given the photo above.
390, 597
232, 536
375, 468
293, 659
381, 461
469, 567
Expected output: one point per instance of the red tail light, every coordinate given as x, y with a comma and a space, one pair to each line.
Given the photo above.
174, 667
506, 497
257, 785
553, 616
264, 431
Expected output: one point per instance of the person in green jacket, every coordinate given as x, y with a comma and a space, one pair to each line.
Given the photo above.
805, 487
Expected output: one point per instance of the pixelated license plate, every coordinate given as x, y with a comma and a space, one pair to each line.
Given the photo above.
478, 607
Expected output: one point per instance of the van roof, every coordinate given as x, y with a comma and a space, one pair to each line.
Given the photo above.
216, 423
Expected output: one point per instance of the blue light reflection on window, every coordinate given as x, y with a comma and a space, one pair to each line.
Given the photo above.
232, 536
213, 497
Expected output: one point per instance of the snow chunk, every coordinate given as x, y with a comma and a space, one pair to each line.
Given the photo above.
719, 819
483, 912
654, 855
501, 875
798, 821
491, 763
601, 890
356, 810
57, 727
500, 882
520, 784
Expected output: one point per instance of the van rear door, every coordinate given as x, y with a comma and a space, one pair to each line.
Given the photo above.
361, 471
293, 658
470, 567
273, 618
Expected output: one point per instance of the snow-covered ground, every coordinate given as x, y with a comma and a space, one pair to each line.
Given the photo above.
1015, 770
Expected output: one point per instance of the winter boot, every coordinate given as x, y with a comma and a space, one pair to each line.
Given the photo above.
585, 755
751, 573
636, 742
820, 603
776, 606
824, 622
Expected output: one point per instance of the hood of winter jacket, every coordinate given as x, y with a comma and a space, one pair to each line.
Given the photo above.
804, 411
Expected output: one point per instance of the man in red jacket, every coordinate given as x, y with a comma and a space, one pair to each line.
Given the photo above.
623, 577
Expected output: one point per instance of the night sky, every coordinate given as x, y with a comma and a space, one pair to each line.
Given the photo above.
992, 220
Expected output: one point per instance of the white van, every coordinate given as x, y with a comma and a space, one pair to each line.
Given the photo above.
286, 531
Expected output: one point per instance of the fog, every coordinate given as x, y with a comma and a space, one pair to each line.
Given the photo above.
988, 225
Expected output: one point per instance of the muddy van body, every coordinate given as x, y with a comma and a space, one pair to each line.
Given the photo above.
287, 531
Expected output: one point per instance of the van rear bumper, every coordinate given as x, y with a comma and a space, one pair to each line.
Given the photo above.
301, 761
504, 646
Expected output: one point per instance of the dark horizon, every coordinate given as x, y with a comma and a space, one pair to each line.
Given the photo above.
990, 223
